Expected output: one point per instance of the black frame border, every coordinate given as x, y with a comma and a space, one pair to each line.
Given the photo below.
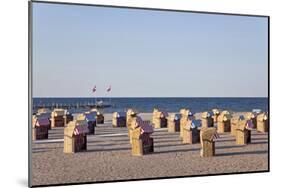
30, 62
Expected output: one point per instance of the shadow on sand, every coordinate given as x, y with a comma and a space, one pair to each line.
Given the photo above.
242, 153
173, 151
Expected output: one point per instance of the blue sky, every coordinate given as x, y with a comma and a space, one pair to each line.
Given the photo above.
144, 53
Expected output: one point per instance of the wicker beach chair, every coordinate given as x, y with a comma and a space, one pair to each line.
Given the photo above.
186, 115
243, 132
262, 122
223, 124
75, 136
206, 120
191, 133
40, 128
58, 117
119, 119
142, 143
173, 122
207, 135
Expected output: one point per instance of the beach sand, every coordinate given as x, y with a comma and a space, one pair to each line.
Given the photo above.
109, 157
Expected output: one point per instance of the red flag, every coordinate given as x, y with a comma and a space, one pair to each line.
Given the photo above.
94, 89
108, 89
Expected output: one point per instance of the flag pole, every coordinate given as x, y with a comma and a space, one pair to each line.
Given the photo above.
94, 90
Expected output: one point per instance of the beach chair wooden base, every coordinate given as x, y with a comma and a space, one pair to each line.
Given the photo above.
142, 146
91, 127
243, 137
75, 144
39, 133
223, 127
191, 136
208, 149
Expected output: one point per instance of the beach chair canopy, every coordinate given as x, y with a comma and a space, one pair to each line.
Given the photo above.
235, 119
93, 113
249, 124
208, 134
119, 114
58, 112
42, 122
250, 115
164, 114
145, 126
157, 114
96, 110
76, 127
245, 124
216, 111
205, 115
42, 110
193, 124
185, 112
44, 115
131, 112
174, 116
155, 110
90, 117
75, 115
224, 117
225, 112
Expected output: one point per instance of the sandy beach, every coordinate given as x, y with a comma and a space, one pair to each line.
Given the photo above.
109, 157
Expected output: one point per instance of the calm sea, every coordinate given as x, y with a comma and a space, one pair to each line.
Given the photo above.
165, 104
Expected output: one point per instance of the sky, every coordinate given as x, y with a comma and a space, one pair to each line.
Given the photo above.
145, 53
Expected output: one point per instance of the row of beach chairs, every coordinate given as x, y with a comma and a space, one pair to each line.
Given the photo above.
204, 131
191, 130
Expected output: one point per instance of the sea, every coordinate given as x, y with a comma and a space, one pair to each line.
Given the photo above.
165, 104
